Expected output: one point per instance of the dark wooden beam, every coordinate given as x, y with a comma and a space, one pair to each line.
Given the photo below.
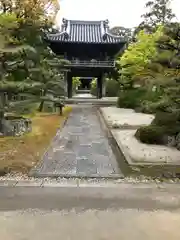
69, 85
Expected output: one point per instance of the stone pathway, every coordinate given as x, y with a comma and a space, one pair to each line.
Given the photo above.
80, 149
84, 95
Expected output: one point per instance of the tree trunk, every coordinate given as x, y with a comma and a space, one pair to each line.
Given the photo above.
60, 110
1, 121
41, 105
2, 112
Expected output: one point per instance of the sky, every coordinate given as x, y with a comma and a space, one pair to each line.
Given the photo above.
124, 13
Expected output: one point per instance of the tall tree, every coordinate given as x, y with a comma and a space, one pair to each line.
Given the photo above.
137, 57
159, 12
122, 32
9, 49
23, 54
168, 61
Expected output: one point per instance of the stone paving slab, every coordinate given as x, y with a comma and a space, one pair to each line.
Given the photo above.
81, 149
106, 101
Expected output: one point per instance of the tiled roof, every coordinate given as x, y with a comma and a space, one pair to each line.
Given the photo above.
85, 32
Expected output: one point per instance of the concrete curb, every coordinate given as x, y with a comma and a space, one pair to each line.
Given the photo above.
138, 163
121, 158
79, 176
79, 184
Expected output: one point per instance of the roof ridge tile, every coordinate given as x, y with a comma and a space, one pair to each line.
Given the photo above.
86, 32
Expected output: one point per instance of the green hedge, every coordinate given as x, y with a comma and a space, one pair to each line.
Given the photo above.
140, 99
112, 88
150, 134
158, 105
131, 98
94, 87
165, 124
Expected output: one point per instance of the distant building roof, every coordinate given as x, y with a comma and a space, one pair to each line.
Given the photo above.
85, 32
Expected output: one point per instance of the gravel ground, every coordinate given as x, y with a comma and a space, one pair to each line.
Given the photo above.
141, 179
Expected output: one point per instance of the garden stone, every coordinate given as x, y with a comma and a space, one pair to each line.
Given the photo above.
171, 141
16, 126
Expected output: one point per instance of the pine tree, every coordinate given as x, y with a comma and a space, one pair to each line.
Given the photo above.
122, 32
158, 13
24, 55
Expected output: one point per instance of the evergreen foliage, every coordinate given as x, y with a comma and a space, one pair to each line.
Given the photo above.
26, 61
159, 12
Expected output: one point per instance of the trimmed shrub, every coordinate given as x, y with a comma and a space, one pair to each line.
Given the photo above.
150, 134
93, 90
148, 107
75, 83
162, 105
169, 121
131, 98
25, 108
141, 99
163, 126
112, 88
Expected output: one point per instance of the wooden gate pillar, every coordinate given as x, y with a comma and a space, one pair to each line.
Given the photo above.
99, 87
69, 85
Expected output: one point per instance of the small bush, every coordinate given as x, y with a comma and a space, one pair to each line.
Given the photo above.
152, 96
148, 107
164, 125
112, 88
166, 119
140, 99
94, 87
75, 83
93, 91
131, 98
150, 134
162, 105
169, 121
25, 109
